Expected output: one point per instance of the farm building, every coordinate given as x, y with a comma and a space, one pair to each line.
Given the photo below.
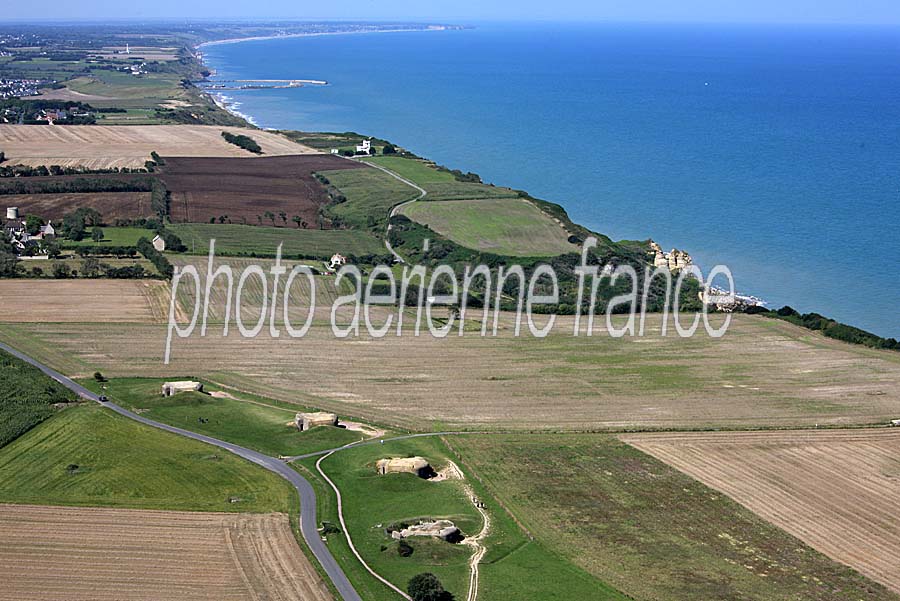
158, 243
170, 388
365, 147
405, 465
305, 421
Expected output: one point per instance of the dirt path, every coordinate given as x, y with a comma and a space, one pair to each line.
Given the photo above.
476, 543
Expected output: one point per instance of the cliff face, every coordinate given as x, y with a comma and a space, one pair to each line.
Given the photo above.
673, 260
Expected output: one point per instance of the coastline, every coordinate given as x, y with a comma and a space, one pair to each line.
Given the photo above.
225, 103
323, 33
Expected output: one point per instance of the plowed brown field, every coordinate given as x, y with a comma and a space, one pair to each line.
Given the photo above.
209, 188
112, 205
68, 553
102, 146
838, 491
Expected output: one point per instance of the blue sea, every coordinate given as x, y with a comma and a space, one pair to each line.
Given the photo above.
774, 150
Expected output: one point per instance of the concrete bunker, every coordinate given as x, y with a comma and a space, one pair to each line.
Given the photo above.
405, 465
305, 421
170, 388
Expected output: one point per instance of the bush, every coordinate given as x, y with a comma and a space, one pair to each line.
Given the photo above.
62, 271
404, 549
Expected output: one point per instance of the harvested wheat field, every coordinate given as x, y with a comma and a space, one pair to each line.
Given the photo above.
67, 553
837, 491
762, 373
112, 205
105, 146
35, 300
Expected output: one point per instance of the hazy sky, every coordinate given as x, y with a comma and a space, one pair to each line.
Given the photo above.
740, 11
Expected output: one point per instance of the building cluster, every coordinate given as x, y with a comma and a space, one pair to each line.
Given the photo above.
16, 231
17, 88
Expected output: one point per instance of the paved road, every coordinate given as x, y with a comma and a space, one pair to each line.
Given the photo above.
307, 495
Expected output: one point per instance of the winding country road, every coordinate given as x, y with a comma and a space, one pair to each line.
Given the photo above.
307, 495
396, 208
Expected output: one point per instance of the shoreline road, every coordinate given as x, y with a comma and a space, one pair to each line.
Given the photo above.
397, 207
307, 494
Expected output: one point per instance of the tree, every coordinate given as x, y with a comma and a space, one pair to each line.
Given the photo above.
426, 587
96, 234
90, 267
51, 247
297, 219
389, 149
33, 224
99, 377
271, 216
9, 264
61, 271
283, 216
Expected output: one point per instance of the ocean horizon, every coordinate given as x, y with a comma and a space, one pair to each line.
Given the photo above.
774, 150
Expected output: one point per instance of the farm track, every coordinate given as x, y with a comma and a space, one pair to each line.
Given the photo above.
836, 490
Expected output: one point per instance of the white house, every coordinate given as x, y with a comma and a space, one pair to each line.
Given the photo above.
365, 147
158, 243
336, 261
47, 231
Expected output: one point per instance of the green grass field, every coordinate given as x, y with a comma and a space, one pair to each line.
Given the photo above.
112, 236
371, 194
246, 240
646, 528
257, 424
513, 227
372, 502
441, 185
513, 568
121, 463
150, 88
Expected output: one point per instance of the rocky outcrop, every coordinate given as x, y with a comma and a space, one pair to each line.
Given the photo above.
674, 260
